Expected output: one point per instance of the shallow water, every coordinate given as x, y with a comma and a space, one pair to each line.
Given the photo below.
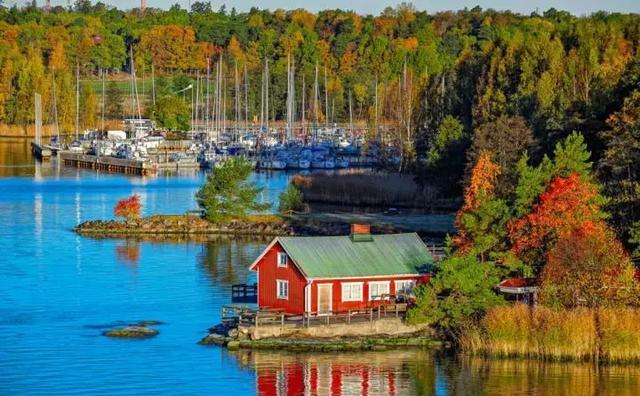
60, 291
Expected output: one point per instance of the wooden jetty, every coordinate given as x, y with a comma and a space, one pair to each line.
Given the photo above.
109, 164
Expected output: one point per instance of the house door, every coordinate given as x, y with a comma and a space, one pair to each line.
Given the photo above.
324, 298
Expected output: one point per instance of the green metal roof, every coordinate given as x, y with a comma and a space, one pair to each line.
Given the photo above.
342, 256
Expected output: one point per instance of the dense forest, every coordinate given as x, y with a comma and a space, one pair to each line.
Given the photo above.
449, 85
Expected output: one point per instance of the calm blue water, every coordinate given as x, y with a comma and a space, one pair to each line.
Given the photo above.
59, 291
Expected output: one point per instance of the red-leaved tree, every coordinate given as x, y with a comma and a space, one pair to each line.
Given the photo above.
128, 208
566, 205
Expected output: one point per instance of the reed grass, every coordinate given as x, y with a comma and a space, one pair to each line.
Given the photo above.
619, 334
366, 189
609, 335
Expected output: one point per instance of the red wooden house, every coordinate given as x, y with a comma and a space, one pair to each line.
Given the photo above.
324, 275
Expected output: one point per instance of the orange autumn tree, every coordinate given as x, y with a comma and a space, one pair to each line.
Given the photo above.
566, 205
481, 187
128, 208
566, 237
588, 267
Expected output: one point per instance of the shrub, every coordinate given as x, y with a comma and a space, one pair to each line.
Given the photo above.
291, 199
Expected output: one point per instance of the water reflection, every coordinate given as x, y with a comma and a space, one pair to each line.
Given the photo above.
370, 373
226, 260
425, 372
520, 377
128, 252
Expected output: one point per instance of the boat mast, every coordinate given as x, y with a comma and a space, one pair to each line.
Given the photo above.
153, 85
135, 85
262, 98
326, 100
77, 99
38, 120
304, 130
103, 72
206, 108
315, 106
246, 98
293, 97
288, 129
224, 98
376, 132
267, 95
55, 106
197, 106
237, 97
350, 115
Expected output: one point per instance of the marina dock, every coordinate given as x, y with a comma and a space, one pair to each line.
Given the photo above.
109, 164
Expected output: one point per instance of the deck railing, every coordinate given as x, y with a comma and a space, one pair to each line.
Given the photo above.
246, 316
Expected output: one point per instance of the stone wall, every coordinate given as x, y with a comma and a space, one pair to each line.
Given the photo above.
380, 327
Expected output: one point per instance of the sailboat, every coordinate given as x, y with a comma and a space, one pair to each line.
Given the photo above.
36, 145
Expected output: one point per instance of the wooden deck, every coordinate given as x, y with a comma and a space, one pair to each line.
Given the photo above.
243, 315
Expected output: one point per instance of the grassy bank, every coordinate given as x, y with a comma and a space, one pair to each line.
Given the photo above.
600, 335
370, 189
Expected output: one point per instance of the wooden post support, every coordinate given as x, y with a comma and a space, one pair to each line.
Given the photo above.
371, 315
349, 317
282, 322
396, 310
327, 318
379, 309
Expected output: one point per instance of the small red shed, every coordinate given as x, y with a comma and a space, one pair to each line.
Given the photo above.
328, 274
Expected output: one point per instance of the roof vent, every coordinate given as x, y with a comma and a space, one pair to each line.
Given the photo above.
361, 233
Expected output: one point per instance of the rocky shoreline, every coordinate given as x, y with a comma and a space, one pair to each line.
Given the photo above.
268, 225
341, 344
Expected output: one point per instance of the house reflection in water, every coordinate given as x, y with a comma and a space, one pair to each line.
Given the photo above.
368, 373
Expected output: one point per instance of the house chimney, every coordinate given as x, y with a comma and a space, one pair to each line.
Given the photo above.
361, 233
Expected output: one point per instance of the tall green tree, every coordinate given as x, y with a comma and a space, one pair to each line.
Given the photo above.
114, 106
172, 112
227, 194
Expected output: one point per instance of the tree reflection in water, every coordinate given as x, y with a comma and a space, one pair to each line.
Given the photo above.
425, 372
226, 260
128, 251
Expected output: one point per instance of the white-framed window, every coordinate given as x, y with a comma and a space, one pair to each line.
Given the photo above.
352, 291
404, 286
282, 287
377, 289
283, 259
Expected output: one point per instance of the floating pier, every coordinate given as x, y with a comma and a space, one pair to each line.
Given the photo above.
109, 164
